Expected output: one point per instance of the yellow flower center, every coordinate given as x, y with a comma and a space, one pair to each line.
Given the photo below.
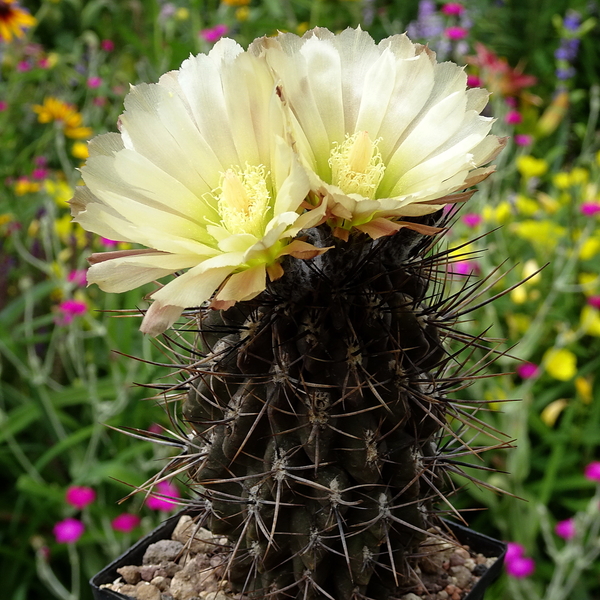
244, 200
356, 165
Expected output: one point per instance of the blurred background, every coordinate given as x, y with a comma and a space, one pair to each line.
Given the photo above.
66, 371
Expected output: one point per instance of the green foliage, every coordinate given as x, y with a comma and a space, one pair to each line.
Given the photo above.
61, 383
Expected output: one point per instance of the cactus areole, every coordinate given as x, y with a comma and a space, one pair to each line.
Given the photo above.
297, 190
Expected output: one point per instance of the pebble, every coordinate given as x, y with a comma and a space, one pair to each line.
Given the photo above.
147, 591
162, 551
203, 540
462, 575
130, 574
162, 583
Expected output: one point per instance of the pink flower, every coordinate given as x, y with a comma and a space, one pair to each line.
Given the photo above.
44, 63
589, 209
125, 522
39, 173
3, 105
108, 243
155, 428
566, 529
80, 496
40, 161
521, 566
165, 491
456, 33
453, 9
23, 66
94, 82
514, 551
69, 309
214, 34
99, 101
107, 45
594, 301
528, 370
592, 471
522, 139
473, 81
465, 267
513, 118
472, 219
68, 531
78, 277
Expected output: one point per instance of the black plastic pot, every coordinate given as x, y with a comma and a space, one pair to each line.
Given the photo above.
476, 541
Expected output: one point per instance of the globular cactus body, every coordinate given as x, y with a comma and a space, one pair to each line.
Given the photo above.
320, 408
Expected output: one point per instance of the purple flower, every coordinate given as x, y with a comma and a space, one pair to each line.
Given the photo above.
572, 20
125, 522
564, 74
528, 370
592, 471
589, 209
166, 491
68, 531
80, 496
471, 219
566, 529
520, 567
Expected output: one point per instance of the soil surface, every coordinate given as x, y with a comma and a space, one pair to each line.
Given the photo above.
191, 566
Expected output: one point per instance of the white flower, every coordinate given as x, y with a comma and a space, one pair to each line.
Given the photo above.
201, 175
384, 130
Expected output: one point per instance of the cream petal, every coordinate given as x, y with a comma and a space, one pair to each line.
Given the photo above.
123, 274
159, 318
157, 125
193, 287
245, 285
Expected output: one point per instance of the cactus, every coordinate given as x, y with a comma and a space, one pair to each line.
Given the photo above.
318, 365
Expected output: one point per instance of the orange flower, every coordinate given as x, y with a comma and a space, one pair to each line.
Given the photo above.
61, 112
13, 20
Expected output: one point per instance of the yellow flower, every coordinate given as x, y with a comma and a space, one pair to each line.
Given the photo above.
549, 204
562, 180
542, 233
551, 412
57, 111
60, 191
80, 150
560, 363
14, 20
590, 282
235, 2
583, 386
499, 214
182, 14
242, 13
6, 218
590, 248
529, 268
579, 176
201, 175
530, 166
590, 320
25, 186
519, 295
384, 131
526, 206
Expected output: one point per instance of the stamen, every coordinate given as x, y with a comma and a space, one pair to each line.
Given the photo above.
243, 200
356, 165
